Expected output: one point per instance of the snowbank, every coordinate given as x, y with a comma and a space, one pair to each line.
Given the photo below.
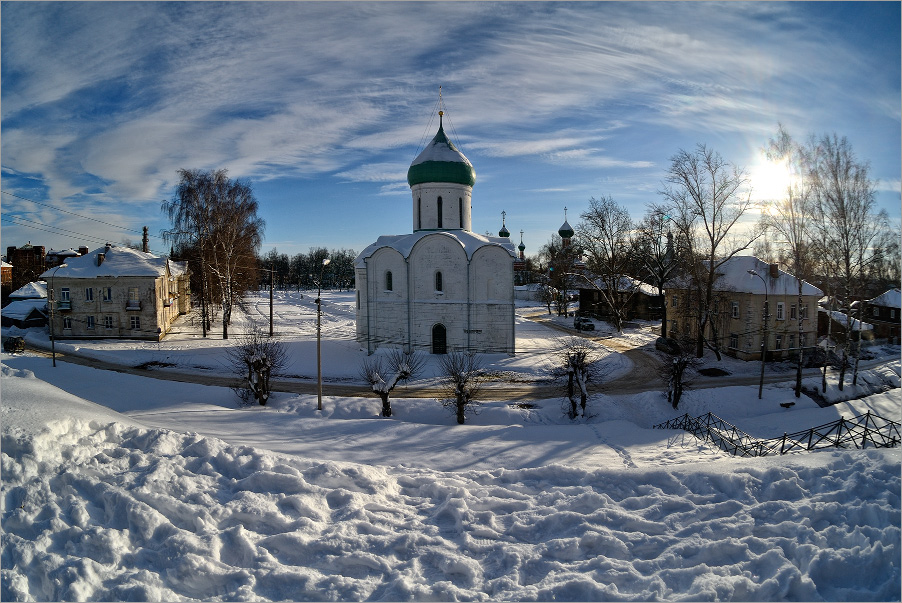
98, 507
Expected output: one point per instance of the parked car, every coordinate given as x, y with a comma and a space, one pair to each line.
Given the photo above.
13, 345
581, 323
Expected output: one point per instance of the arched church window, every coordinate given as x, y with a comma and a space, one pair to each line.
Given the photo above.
439, 212
438, 281
439, 339
460, 211
388, 283
419, 213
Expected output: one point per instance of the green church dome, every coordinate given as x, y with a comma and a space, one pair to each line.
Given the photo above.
440, 161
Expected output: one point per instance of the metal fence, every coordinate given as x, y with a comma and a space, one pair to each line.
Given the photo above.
858, 432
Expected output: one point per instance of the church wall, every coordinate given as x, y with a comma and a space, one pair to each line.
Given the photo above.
439, 253
425, 202
492, 316
387, 319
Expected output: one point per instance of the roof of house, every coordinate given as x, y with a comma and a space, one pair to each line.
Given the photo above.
6, 264
891, 298
30, 291
735, 276
117, 261
628, 284
22, 309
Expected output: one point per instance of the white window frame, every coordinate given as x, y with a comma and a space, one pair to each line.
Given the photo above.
89, 321
781, 310
64, 294
793, 312
67, 323
734, 341
135, 323
107, 293
107, 322
778, 342
735, 309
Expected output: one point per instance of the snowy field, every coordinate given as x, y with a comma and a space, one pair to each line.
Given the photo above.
118, 487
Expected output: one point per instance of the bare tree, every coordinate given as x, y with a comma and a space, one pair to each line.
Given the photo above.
706, 197
556, 260
850, 227
258, 358
678, 371
789, 218
578, 360
216, 228
605, 235
657, 254
399, 367
462, 377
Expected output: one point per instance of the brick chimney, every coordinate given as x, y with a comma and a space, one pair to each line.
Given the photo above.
145, 242
100, 258
775, 270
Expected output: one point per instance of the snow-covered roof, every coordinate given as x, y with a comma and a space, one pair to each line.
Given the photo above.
118, 261
404, 244
841, 317
6, 265
891, 298
628, 284
30, 291
19, 310
69, 253
735, 277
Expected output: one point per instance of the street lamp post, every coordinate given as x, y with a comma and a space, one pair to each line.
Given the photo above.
319, 364
50, 299
764, 333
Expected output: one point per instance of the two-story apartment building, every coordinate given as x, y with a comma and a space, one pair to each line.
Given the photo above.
884, 313
117, 292
737, 320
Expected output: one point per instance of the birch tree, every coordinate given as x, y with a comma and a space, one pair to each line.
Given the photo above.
706, 196
850, 226
790, 218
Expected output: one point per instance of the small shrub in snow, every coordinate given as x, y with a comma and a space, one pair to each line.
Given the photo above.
398, 367
462, 377
257, 358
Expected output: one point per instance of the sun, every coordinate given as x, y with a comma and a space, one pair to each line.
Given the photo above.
769, 179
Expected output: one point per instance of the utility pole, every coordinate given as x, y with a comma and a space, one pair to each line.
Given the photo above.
272, 276
319, 314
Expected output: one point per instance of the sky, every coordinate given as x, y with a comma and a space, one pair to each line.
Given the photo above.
321, 107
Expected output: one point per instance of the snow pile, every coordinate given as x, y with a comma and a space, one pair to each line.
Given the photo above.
97, 506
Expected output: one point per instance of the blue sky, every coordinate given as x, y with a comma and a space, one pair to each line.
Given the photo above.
322, 106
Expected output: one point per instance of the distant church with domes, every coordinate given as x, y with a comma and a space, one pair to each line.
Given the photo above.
442, 288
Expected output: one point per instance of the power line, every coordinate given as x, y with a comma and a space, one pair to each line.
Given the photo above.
65, 211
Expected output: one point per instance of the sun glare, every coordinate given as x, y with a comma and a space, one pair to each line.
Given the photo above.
770, 180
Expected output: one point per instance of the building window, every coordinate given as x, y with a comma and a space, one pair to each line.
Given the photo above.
67, 323
793, 315
89, 294
90, 323
803, 312
892, 313
734, 340
876, 311
735, 309
108, 322
780, 310
460, 211
107, 293
64, 294
674, 301
792, 341
779, 344
438, 282
388, 283
419, 213
439, 203
135, 322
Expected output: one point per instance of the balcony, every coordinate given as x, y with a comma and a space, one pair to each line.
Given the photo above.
133, 305
64, 305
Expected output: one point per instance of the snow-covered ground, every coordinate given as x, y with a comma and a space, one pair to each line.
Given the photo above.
118, 487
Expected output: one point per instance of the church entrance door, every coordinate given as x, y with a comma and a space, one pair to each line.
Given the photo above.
439, 339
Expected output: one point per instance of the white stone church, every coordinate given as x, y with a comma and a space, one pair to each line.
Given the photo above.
442, 288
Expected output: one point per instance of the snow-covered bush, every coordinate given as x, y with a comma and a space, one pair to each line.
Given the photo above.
257, 358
